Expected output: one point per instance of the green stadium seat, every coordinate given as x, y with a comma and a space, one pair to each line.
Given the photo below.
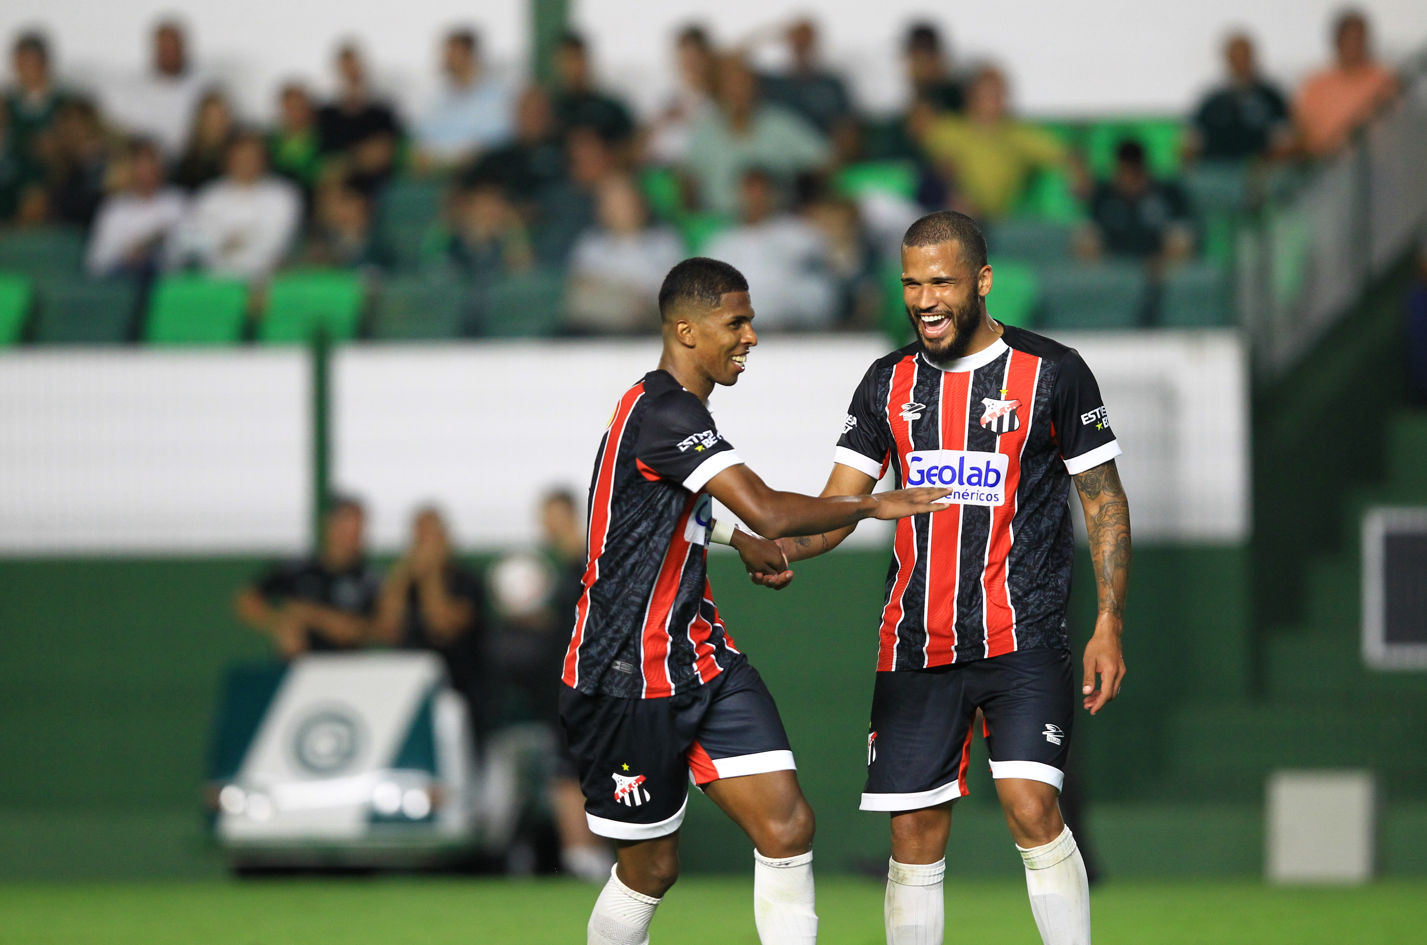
16, 294
898, 178
44, 252
524, 306
663, 192
1036, 241
409, 221
699, 228
302, 303
1217, 186
419, 308
1092, 295
194, 309
1015, 293
1195, 295
1163, 140
1051, 196
84, 312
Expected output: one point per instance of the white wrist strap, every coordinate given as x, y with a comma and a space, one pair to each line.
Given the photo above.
722, 532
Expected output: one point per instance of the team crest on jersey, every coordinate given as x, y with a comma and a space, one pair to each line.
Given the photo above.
1000, 415
912, 411
629, 790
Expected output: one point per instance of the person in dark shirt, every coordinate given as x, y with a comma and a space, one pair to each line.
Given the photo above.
578, 103
430, 601
932, 80
33, 103
1245, 118
358, 127
324, 602
818, 94
1136, 215
209, 136
532, 161
565, 207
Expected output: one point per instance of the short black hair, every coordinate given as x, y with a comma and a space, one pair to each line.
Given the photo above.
559, 495
1130, 151
948, 226
33, 41
699, 279
923, 37
696, 34
466, 37
1346, 18
572, 40
342, 502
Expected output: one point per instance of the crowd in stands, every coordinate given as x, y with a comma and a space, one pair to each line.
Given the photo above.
564, 190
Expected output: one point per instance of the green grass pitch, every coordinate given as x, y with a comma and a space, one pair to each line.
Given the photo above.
699, 911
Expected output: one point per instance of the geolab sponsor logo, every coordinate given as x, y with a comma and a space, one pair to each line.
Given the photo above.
977, 478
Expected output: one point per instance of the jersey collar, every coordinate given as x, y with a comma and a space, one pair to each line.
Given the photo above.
972, 361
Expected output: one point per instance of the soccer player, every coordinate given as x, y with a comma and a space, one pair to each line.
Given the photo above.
976, 596
655, 693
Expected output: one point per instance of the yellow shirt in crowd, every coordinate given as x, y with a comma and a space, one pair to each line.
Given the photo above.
991, 164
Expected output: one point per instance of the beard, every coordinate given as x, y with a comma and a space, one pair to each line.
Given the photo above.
950, 347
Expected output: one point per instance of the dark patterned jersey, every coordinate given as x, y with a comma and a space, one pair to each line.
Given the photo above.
1006, 428
646, 625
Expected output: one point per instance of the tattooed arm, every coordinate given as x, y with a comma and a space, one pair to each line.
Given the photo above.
1107, 521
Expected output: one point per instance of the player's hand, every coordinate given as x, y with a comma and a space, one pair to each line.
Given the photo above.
1103, 657
767, 565
899, 503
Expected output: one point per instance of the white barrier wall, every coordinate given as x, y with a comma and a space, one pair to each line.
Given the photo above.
154, 452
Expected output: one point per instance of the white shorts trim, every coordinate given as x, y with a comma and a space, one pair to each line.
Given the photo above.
617, 830
711, 467
760, 762
898, 802
857, 461
1029, 770
1076, 465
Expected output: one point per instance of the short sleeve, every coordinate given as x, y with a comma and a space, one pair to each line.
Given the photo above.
865, 444
1082, 427
679, 442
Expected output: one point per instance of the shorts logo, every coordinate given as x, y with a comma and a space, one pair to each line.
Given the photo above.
849, 424
1097, 417
912, 411
1000, 415
629, 791
699, 441
871, 748
1054, 734
978, 478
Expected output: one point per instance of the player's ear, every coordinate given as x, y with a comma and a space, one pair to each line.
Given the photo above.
983, 282
684, 330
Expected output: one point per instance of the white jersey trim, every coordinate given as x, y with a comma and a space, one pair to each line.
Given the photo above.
760, 762
1076, 465
711, 467
972, 361
1030, 771
899, 802
616, 830
863, 464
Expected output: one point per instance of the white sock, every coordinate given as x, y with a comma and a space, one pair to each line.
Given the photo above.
915, 910
621, 915
784, 904
1060, 893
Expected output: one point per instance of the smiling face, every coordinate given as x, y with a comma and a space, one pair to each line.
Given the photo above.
945, 298
720, 338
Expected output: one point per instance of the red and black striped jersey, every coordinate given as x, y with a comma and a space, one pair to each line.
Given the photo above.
1006, 428
646, 625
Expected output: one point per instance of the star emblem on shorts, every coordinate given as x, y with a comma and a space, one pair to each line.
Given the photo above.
624, 767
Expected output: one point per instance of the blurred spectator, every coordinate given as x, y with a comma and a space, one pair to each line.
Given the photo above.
783, 257
134, 222
816, 93
617, 266
1417, 327
1335, 102
34, 102
668, 141
322, 602
1247, 117
243, 223
489, 238
929, 71
207, 148
12, 177
744, 132
565, 207
532, 161
1136, 215
161, 103
988, 157
357, 127
430, 601
340, 232
578, 103
75, 152
471, 114
293, 145
851, 255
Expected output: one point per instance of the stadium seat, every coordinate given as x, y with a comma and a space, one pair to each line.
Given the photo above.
1217, 185
1015, 293
16, 293
698, 228
898, 178
409, 222
1092, 295
84, 312
192, 309
1195, 295
1162, 138
418, 308
662, 192
44, 252
524, 306
1051, 196
302, 303
1037, 241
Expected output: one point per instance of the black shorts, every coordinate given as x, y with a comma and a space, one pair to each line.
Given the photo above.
636, 757
919, 742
